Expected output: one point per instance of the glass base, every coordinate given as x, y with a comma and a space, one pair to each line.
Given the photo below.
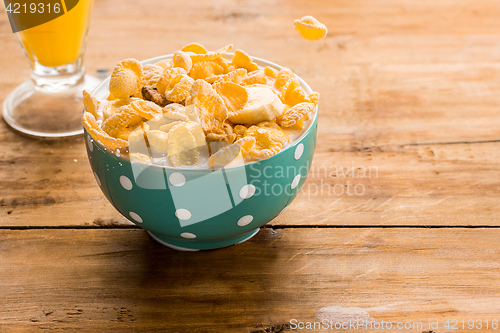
47, 114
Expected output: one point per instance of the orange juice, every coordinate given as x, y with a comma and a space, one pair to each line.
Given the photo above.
58, 42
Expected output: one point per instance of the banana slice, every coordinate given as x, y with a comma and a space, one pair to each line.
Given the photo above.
262, 105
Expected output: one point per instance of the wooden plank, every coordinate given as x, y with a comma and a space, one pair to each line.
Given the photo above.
411, 185
49, 182
120, 280
392, 185
389, 72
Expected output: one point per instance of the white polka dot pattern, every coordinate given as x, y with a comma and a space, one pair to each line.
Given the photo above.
135, 217
126, 183
299, 151
177, 179
183, 214
247, 191
245, 220
188, 235
295, 181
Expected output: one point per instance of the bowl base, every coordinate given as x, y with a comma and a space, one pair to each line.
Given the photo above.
196, 245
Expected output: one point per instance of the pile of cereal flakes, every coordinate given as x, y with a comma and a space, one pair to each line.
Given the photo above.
175, 109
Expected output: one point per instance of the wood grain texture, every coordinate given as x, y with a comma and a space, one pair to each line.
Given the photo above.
401, 185
449, 184
392, 75
121, 280
408, 128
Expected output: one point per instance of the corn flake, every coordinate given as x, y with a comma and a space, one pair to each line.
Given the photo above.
255, 77
222, 66
179, 89
151, 75
201, 70
167, 77
218, 69
126, 78
294, 114
246, 144
225, 135
99, 135
145, 109
235, 76
243, 60
292, 93
122, 122
183, 60
190, 111
296, 96
195, 48
313, 98
270, 124
138, 134
234, 95
210, 107
165, 63
268, 140
167, 127
175, 111
239, 131
211, 55
114, 106
283, 76
182, 147
288, 87
310, 28
299, 124
111, 98
197, 132
225, 155
158, 140
91, 103
271, 72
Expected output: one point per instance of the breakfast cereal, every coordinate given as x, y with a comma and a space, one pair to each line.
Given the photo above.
198, 108
125, 79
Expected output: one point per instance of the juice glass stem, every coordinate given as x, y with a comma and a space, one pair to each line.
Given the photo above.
57, 79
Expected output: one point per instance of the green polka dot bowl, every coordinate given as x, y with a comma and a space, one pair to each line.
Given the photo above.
201, 209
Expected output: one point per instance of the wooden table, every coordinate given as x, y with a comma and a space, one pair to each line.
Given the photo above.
397, 221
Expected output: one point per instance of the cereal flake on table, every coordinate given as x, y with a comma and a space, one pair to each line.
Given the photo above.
198, 101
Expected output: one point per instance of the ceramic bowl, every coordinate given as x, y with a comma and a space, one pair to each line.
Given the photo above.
188, 209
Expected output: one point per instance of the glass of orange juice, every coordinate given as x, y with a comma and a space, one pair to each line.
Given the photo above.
49, 104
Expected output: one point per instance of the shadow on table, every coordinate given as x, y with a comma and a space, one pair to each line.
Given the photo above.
233, 285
